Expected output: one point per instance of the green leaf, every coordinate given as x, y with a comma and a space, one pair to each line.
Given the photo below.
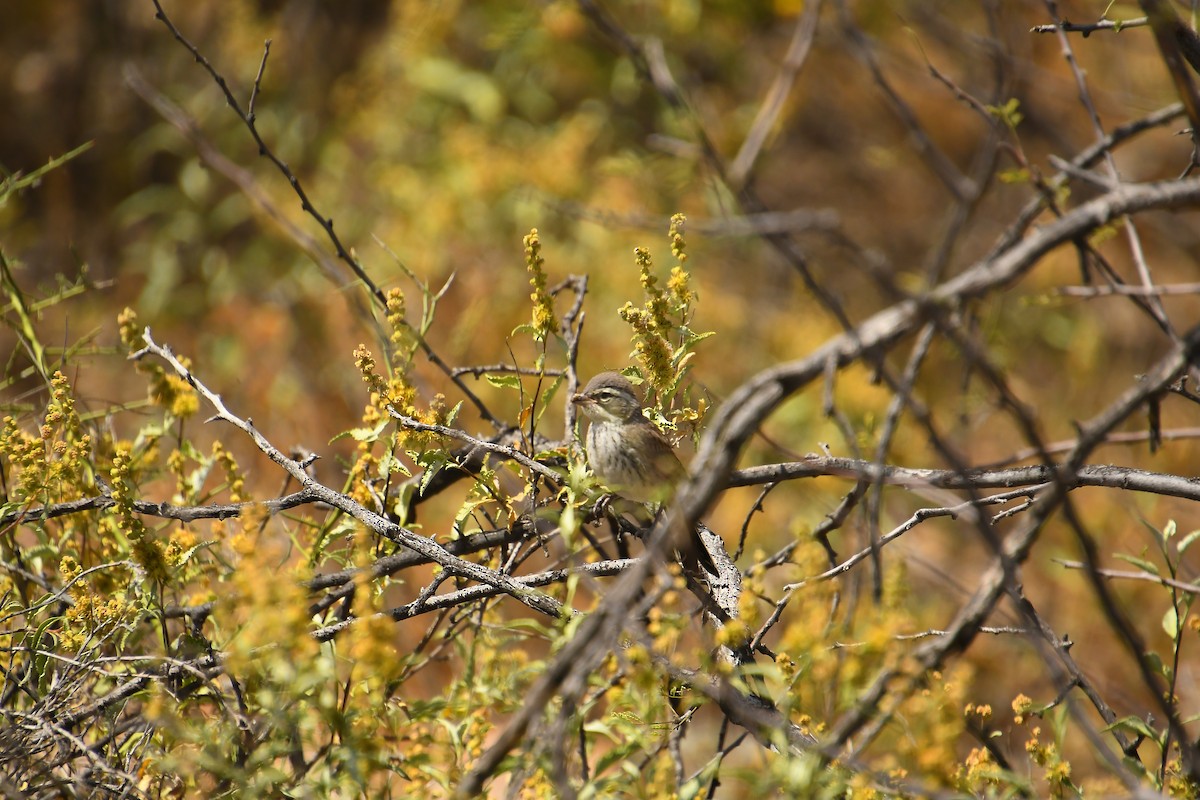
1009, 113
1169, 529
1155, 661
1014, 175
191, 551
680, 363
547, 395
634, 374
1148, 566
402, 501
568, 524
1172, 624
524, 328
1135, 725
1058, 723
363, 434
619, 755
432, 461
453, 415
1186, 541
503, 381
693, 336
40, 659
389, 464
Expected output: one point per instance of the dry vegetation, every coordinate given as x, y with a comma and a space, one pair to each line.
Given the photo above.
294, 500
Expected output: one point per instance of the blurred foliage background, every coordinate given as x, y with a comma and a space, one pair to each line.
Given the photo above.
446, 130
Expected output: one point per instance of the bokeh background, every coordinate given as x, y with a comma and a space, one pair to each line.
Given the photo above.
446, 131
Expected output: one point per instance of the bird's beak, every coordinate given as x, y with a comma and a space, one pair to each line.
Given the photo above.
581, 399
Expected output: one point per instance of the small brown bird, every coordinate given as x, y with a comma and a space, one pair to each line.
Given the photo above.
629, 453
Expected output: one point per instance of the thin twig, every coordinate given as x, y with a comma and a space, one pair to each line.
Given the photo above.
389, 530
306, 204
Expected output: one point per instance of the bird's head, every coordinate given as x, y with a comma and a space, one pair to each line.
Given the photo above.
609, 397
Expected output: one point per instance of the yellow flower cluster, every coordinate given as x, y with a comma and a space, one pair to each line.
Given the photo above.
167, 390
90, 612
675, 234
364, 362
233, 473
121, 476
650, 347
52, 462
662, 341
1057, 770
27, 454
544, 321
131, 333
397, 317
396, 392
146, 550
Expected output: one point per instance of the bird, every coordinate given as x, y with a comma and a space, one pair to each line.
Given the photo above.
630, 455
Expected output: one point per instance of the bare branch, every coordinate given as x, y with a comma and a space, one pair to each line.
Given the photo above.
326, 223
1092, 475
400, 535
1114, 25
772, 105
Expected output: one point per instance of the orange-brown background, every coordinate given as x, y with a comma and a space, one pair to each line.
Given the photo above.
449, 130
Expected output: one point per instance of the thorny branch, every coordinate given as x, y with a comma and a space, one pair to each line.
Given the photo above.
247, 117
383, 527
747, 409
1034, 495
